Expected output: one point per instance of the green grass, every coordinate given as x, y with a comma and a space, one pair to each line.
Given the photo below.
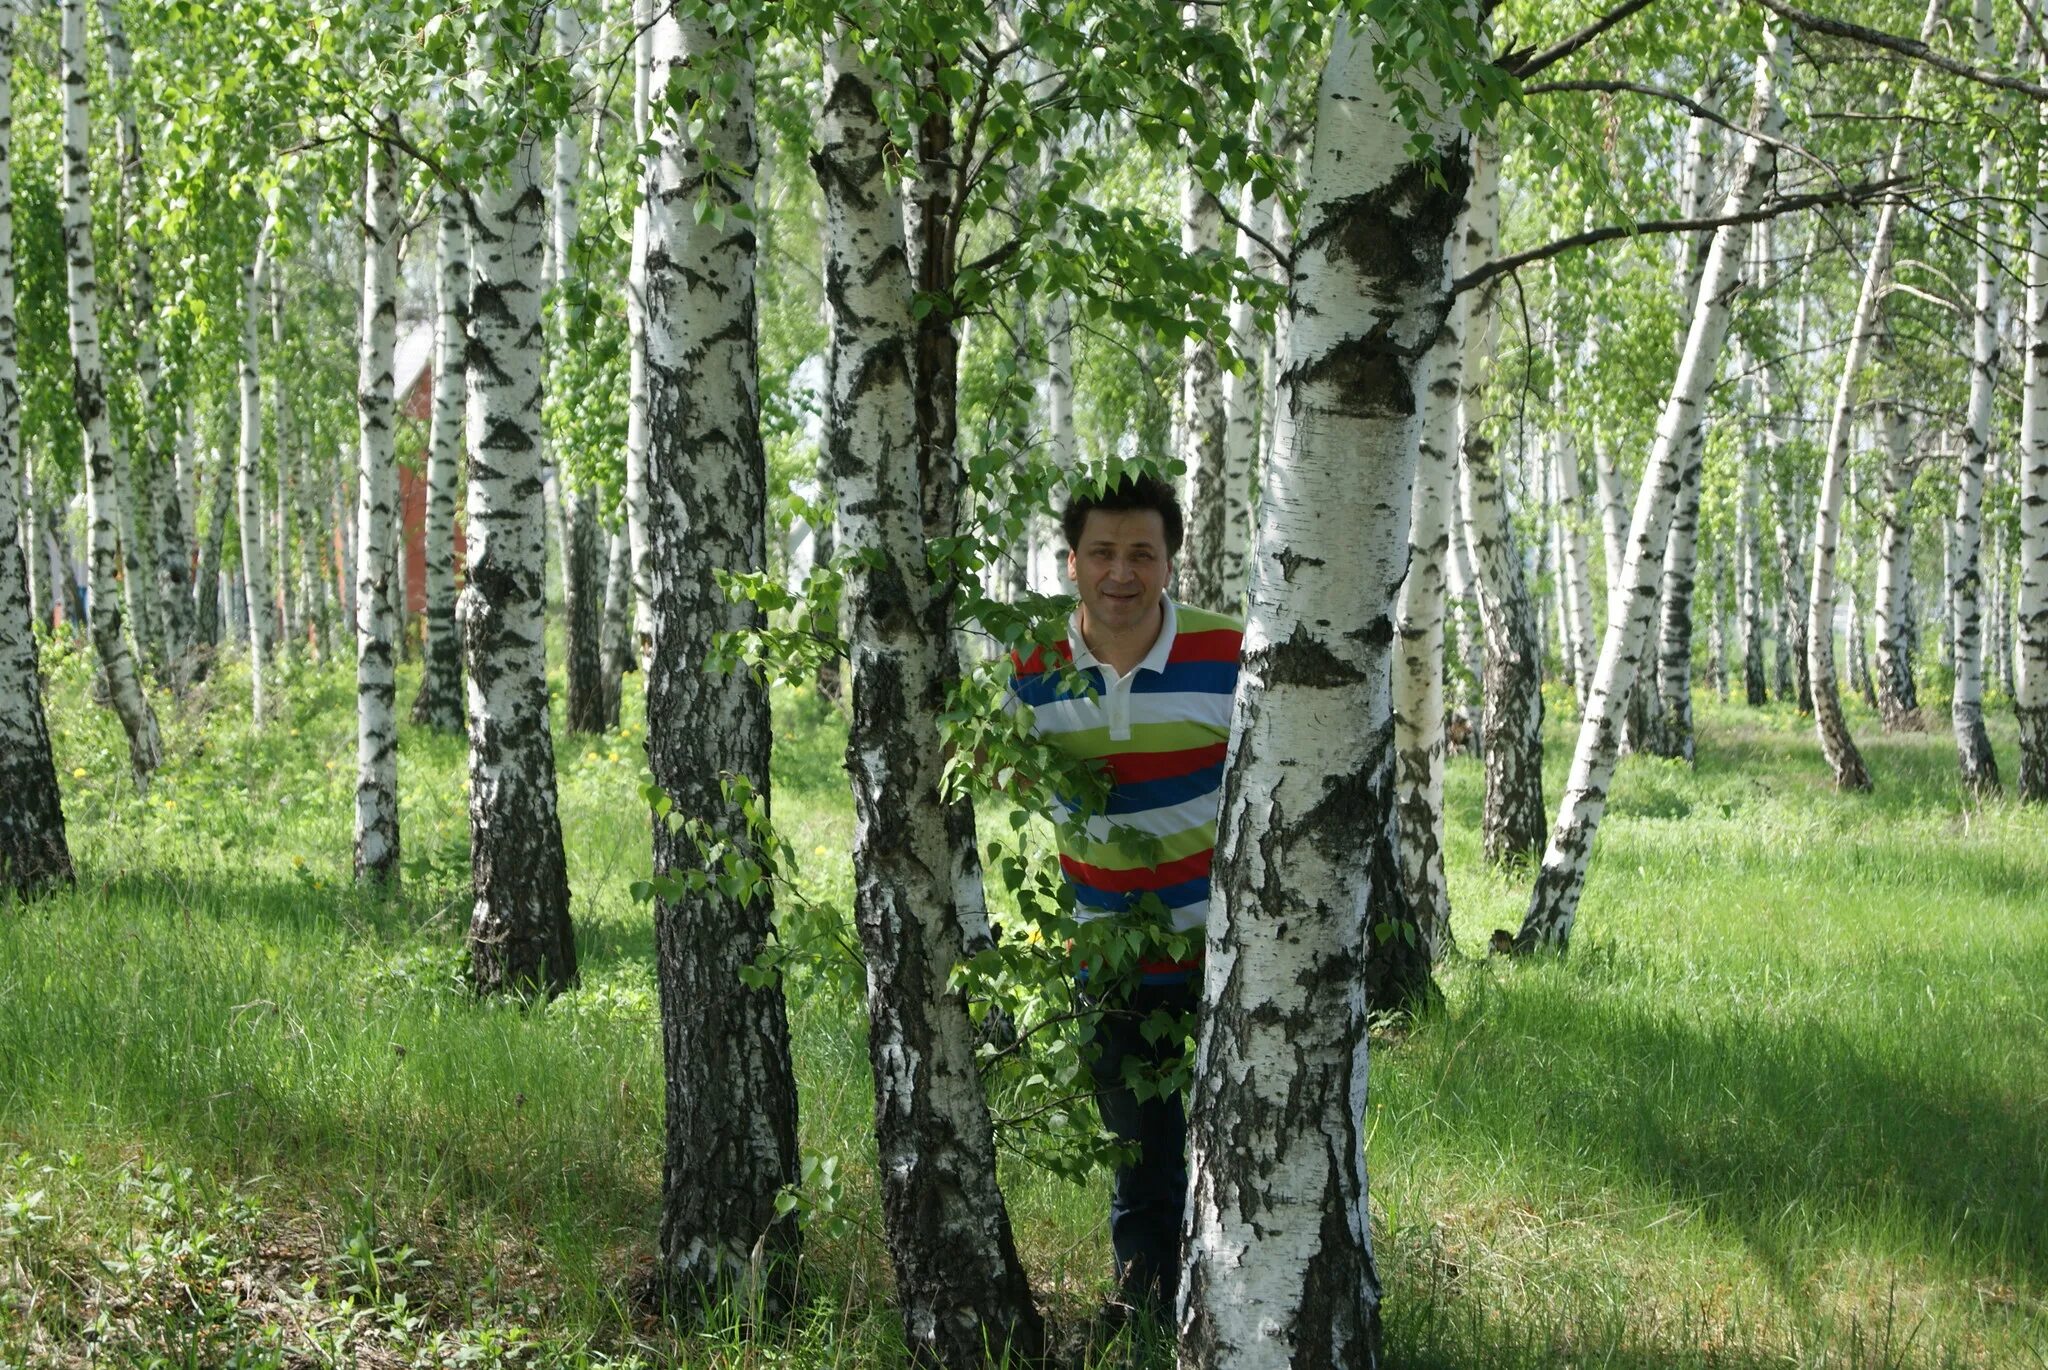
1783, 1104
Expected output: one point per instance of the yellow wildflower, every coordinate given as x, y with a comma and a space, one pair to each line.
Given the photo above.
78, 772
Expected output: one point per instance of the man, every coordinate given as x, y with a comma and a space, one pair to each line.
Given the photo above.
1142, 688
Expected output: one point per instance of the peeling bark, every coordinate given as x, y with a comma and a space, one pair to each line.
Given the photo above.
376, 834
1278, 1265
520, 938
960, 1286
1898, 700
730, 1139
438, 704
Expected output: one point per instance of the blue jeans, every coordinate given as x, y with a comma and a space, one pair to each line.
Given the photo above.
1146, 1201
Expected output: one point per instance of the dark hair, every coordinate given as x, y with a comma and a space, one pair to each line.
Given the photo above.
1128, 494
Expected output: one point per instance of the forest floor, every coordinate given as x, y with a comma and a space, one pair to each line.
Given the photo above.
1784, 1104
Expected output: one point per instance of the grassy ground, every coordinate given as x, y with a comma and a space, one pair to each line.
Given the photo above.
1784, 1103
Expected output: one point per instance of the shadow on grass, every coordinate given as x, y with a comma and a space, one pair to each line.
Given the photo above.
1788, 1131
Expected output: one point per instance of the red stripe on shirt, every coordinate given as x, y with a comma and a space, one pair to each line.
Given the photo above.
1179, 872
1210, 644
1132, 767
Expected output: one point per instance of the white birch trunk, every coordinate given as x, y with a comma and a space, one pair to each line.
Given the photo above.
159, 518
1278, 1269
438, 705
34, 853
1840, 748
1554, 902
1512, 820
1204, 423
248, 490
636, 348
1242, 395
520, 939
1898, 702
961, 1288
730, 1090
1575, 582
376, 832
2030, 700
582, 564
618, 621
1964, 580
1418, 681
88, 388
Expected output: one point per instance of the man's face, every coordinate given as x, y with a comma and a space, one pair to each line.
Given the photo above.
1120, 567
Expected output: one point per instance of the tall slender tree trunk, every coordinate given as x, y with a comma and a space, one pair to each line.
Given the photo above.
88, 390
1512, 821
376, 844
961, 1287
438, 705
1418, 682
248, 489
2030, 700
1554, 902
618, 621
1748, 567
1898, 700
1574, 580
1279, 1266
1204, 404
635, 496
1840, 748
520, 939
931, 240
582, 563
209, 555
731, 1094
1964, 581
34, 854
159, 517
1671, 735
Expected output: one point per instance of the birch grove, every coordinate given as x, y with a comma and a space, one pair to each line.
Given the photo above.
1560, 882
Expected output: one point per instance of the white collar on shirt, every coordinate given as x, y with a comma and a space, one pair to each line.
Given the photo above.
1155, 660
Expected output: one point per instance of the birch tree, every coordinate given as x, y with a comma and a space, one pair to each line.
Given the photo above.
89, 394
1965, 581
731, 1093
376, 844
520, 939
1633, 596
1279, 1266
961, 1288
159, 521
1898, 702
1840, 748
438, 704
34, 853
583, 591
1512, 742
248, 485
1418, 682
635, 497
2031, 649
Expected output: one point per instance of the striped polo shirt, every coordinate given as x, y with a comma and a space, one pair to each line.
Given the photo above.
1161, 733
